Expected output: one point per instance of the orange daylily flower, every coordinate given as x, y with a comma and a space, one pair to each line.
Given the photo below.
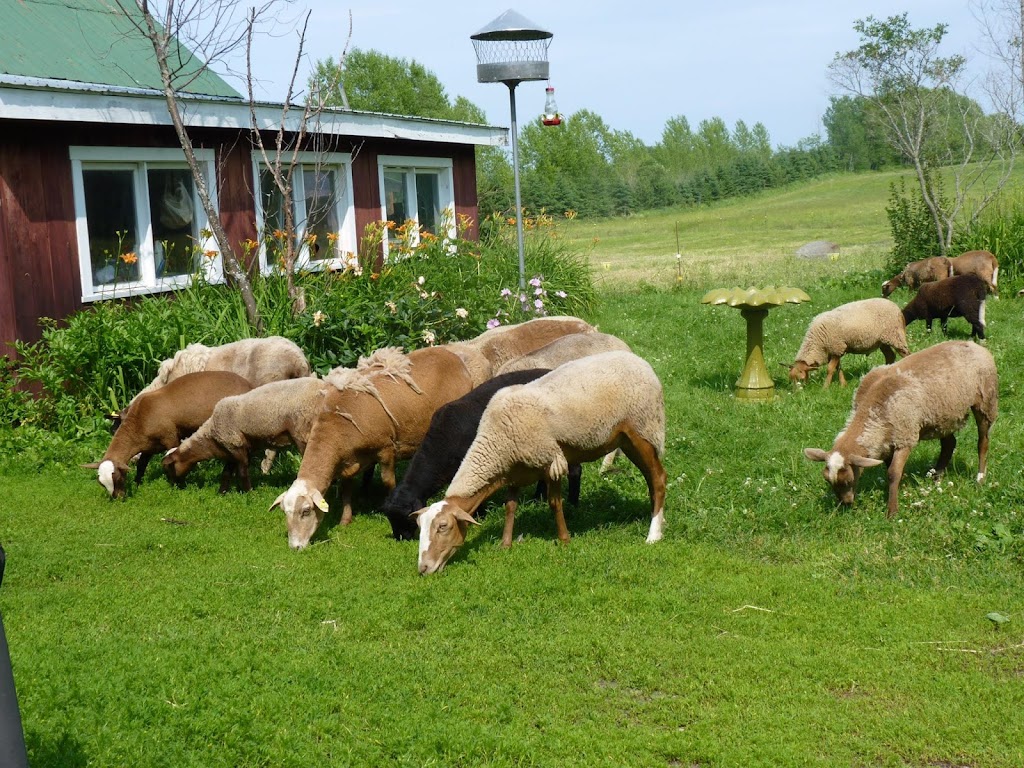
129, 258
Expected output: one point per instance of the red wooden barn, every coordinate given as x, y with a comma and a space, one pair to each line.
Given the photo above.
91, 169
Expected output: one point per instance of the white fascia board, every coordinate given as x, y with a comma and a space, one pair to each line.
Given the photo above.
124, 107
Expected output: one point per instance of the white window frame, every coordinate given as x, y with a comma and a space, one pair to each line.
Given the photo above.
347, 243
442, 166
138, 160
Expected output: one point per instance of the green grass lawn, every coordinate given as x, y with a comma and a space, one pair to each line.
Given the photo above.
769, 627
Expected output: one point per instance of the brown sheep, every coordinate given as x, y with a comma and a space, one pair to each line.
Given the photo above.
160, 419
916, 273
980, 263
378, 415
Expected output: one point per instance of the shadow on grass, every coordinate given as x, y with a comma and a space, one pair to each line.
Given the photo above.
54, 751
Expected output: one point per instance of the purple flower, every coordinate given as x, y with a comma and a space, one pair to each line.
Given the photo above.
493, 323
540, 292
535, 282
505, 293
538, 304
561, 294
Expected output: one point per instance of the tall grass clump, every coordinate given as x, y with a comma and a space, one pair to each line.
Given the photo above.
999, 229
431, 290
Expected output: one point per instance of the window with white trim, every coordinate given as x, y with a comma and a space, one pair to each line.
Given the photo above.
417, 189
323, 211
139, 223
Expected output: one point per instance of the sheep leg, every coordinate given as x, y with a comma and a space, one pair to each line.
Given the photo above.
645, 457
140, 467
555, 502
833, 364
984, 424
575, 479
346, 500
889, 354
948, 445
268, 460
387, 474
242, 470
225, 476
896, 465
511, 503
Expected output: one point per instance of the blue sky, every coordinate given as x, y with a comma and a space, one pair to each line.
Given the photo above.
636, 64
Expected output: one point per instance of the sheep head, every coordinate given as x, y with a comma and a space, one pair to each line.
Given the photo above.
891, 285
112, 476
304, 508
799, 370
442, 531
841, 472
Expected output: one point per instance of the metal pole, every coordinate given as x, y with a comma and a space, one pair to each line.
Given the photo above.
515, 175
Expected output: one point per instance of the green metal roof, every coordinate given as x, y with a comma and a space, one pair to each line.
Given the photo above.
88, 41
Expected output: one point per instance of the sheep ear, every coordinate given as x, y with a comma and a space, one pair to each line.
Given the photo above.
816, 454
277, 502
320, 502
90, 465
863, 461
169, 452
464, 516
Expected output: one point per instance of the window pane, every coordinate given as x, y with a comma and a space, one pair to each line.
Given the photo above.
321, 211
110, 219
394, 196
273, 204
172, 207
428, 201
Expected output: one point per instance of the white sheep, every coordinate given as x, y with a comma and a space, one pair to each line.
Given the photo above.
507, 342
924, 396
563, 349
859, 327
258, 361
579, 412
277, 414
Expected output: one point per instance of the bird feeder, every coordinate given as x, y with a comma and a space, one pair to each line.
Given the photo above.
551, 116
755, 383
511, 50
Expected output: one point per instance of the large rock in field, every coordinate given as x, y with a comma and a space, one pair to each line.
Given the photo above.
817, 249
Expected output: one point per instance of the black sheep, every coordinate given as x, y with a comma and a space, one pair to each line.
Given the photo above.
436, 461
958, 296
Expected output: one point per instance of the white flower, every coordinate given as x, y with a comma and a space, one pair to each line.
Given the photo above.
318, 318
391, 306
421, 280
429, 337
462, 313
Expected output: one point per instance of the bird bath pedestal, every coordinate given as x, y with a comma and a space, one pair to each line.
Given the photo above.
755, 383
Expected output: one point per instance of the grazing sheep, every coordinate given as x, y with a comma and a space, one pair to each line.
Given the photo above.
377, 416
960, 296
258, 361
916, 273
159, 420
924, 396
507, 342
981, 263
859, 327
436, 461
562, 350
277, 414
577, 413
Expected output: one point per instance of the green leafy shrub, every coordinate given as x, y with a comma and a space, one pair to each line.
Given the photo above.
432, 291
913, 229
999, 229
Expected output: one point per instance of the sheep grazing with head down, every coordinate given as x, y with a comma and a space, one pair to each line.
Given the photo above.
579, 412
277, 415
916, 273
981, 263
924, 396
452, 430
859, 327
959, 296
159, 420
373, 415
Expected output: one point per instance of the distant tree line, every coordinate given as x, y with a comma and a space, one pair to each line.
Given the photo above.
583, 165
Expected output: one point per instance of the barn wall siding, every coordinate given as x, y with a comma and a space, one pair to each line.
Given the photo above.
39, 272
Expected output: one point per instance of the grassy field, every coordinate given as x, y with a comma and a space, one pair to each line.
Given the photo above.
769, 627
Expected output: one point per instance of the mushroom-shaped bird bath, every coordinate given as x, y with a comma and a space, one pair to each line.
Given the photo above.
753, 303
